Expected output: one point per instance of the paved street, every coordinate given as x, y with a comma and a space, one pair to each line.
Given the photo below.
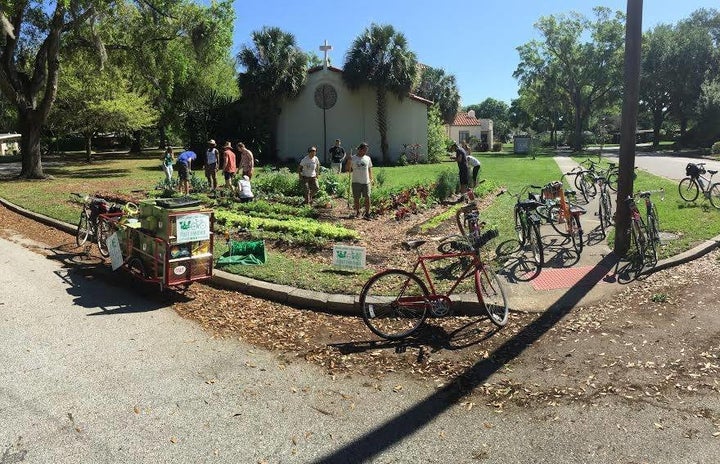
92, 373
670, 167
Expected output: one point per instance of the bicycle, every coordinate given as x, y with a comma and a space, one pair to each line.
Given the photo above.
645, 235
395, 302
691, 186
605, 213
94, 220
527, 226
610, 172
108, 224
555, 209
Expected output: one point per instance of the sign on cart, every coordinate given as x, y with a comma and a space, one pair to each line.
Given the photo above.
193, 228
113, 244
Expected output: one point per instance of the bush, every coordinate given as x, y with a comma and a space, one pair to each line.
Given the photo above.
380, 178
446, 184
715, 150
497, 146
281, 182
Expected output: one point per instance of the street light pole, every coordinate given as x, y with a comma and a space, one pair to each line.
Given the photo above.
633, 42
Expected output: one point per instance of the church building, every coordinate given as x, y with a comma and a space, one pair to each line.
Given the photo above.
326, 110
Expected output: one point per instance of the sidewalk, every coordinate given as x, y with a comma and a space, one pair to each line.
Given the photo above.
566, 280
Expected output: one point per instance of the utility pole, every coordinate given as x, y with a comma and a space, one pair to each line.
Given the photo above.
631, 96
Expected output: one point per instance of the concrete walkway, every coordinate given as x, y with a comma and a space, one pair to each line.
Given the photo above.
566, 279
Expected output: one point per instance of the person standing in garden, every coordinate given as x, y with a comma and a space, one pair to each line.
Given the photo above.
473, 163
463, 172
229, 166
211, 165
309, 170
168, 160
247, 160
184, 165
337, 156
360, 167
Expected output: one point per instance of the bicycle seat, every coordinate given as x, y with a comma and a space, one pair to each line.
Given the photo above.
577, 210
413, 244
529, 204
570, 192
712, 173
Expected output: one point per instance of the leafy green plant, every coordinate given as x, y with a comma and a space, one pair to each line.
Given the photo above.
715, 149
659, 297
497, 146
295, 227
278, 182
197, 183
437, 137
380, 178
445, 185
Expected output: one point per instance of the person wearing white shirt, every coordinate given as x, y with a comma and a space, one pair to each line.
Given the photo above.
245, 190
360, 165
309, 170
474, 163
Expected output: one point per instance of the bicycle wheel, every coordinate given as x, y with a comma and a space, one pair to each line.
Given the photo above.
715, 195
651, 257
601, 215
83, 229
394, 303
638, 242
520, 222
654, 225
688, 189
491, 295
588, 188
607, 208
105, 230
535, 242
576, 234
612, 181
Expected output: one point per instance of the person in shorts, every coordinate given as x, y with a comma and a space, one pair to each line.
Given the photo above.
229, 166
337, 157
247, 160
360, 167
184, 165
211, 165
309, 170
245, 190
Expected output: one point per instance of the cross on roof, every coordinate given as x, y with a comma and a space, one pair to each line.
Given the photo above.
325, 47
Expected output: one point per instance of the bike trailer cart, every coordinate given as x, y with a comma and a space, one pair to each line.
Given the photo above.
172, 244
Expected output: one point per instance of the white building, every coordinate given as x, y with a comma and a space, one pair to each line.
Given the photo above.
9, 144
466, 125
327, 110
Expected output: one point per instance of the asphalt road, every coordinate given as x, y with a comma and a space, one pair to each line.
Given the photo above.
668, 166
91, 372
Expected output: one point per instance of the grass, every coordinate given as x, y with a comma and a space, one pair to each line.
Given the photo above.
692, 222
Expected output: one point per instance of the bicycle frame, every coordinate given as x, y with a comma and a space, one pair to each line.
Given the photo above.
476, 265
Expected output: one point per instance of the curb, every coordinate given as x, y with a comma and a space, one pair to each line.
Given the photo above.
332, 302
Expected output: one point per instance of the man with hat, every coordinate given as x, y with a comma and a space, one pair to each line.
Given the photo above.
211, 165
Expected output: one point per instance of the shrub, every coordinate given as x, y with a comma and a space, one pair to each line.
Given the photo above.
281, 182
437, 137
446, 184
402, 160
497, 146
197, 183
715, 150
380, 178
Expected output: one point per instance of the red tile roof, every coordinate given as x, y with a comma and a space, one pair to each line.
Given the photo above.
462, 119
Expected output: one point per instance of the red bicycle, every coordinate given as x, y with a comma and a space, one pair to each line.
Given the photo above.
396, 302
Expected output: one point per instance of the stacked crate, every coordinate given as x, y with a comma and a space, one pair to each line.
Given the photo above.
184, 260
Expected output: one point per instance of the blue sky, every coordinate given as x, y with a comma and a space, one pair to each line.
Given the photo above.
474, 40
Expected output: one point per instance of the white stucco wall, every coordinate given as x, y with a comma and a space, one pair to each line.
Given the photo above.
352, 120
485, 127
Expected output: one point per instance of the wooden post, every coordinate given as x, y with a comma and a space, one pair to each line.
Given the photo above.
633, 42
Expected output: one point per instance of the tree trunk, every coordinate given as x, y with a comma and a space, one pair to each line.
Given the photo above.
382, 124
31, 129
88, 147
577, 137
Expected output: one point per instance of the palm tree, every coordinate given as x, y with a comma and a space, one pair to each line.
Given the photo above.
275, 69
440, 88
380, 57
